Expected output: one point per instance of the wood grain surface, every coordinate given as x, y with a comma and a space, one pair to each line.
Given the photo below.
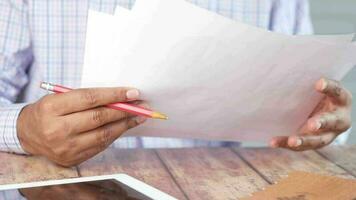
343, 156
192, 173
215, 173
20, 169
141, 164
275, 164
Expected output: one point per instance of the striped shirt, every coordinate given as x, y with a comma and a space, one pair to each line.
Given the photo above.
43, 40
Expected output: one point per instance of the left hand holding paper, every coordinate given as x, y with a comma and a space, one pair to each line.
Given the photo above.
329, 119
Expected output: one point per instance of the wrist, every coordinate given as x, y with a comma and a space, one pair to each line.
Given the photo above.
23, 129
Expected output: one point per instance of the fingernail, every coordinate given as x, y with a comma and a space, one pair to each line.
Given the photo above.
132, 94
140, 119
298, 142
324, 84
317, 125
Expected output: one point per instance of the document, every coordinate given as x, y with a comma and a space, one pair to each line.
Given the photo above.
342, 38
102, 28
215, 78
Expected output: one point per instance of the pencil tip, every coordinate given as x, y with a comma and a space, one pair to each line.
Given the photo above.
158, 115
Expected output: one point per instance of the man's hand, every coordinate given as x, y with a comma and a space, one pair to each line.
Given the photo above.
72, 127
330, 118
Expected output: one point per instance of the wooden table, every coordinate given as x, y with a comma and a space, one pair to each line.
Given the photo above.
199, 173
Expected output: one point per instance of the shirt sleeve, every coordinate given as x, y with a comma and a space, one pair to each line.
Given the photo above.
303, 24
15, 58
291, 17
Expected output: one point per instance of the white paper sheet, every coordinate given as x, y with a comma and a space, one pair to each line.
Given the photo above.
105, 28
342, 38
102, 29
215, 78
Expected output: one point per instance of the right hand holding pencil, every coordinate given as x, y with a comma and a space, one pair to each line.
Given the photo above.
71, 127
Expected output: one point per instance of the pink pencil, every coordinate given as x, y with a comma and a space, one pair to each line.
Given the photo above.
137, 110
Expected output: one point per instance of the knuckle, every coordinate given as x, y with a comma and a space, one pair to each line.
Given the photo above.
46, 106
64, 127
104, 138
120, 95
90, 97
342, 123
131, 123
125, 115
120, 115
72, 144
330, 84
50, 136
338, 124
98, 116
55, 133
60, 128
61, 153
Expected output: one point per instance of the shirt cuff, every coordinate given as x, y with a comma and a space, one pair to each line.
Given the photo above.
9, 141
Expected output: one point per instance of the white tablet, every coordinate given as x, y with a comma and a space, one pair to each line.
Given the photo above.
119, 186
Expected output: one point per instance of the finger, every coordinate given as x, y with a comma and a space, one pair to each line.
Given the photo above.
280, 141
94, 118
84, 99
307, 142
337, 121
334, 90
102, 137
85, 155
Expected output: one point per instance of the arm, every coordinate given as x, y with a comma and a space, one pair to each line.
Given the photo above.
291, 17
303, 24
66, 128
15, 58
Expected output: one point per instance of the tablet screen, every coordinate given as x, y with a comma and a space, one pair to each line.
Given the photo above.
103, 190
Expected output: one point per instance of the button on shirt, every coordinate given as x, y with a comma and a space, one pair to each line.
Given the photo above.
43, 40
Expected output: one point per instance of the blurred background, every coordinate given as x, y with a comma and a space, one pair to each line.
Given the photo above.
332, 17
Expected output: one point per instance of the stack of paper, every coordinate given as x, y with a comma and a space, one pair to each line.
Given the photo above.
215, 78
